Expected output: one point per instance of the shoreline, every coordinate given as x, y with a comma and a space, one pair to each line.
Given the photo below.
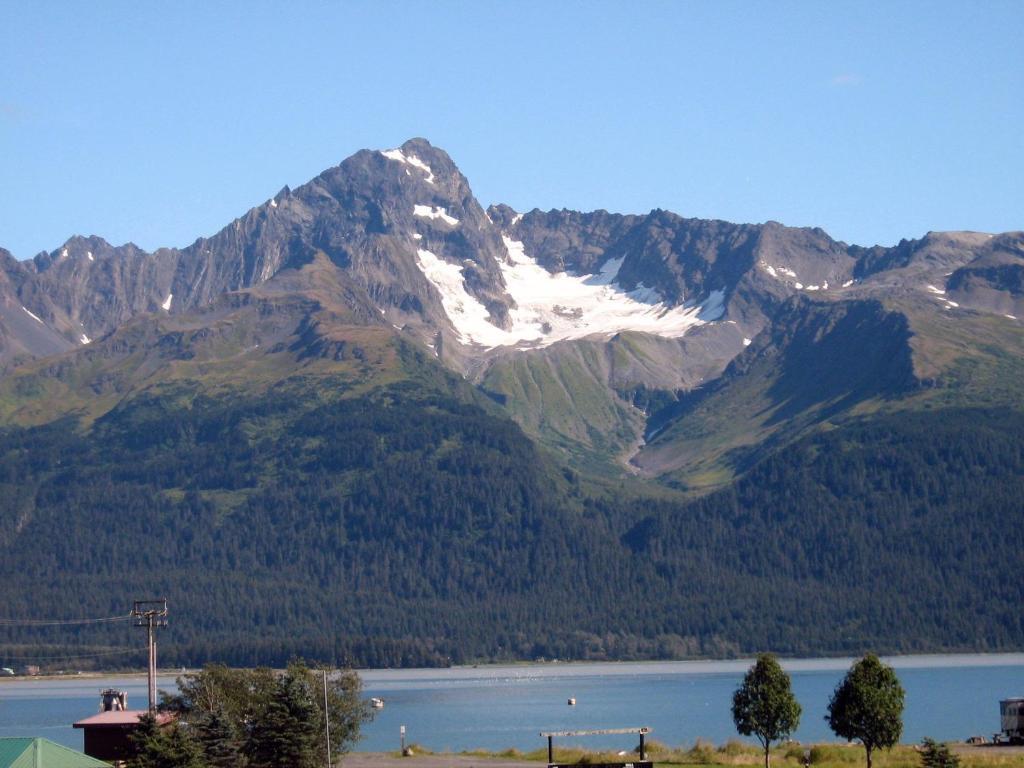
554, 667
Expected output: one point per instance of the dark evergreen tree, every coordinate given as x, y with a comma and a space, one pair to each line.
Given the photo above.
145, 740
935, 755
287, 736
164, 746
219, 739
258, 713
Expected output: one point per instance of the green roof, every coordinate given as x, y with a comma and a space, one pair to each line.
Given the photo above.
43, 753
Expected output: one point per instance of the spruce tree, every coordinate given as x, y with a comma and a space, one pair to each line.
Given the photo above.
164, 746
935, 755
286, 734
219, 739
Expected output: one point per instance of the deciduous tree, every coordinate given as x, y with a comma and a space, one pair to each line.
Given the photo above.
868, 705
764, 705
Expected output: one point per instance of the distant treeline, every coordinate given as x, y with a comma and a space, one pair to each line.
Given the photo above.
414, 525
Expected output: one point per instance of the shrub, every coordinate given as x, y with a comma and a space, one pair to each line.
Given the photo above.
702, 752
935, 755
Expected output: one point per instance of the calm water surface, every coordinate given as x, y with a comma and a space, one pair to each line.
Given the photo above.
495, 707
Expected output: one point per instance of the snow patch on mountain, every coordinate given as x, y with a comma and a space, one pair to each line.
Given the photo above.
33, 316
434, 212
399, 156
775, 270
467, 313
553, 307
84, 339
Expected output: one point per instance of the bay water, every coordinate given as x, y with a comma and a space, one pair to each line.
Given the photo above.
949, 698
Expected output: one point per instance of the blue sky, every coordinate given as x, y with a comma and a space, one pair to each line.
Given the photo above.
158, 123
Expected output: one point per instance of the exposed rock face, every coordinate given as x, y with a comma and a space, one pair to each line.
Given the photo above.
755, 267
370, 216
378, 212
23, 333
395, 240
566, 241
994, 281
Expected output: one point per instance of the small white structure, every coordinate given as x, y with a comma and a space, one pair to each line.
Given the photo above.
1011, 721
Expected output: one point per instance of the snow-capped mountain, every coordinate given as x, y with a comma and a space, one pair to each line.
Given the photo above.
605, 304
420, 424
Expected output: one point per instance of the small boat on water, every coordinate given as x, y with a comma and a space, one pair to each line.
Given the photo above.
377, 703
572, 702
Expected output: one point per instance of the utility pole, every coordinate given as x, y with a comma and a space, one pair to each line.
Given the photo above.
327, 720
151, 614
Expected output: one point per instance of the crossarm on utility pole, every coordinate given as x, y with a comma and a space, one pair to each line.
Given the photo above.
151, 614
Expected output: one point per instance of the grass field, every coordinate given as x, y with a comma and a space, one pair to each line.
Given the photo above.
735, 752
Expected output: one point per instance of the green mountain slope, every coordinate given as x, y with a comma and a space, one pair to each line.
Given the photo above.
408, 525
589, 399
307, 322
299, 483
821, 364
909, 523
566, 395
288, 430
312, 521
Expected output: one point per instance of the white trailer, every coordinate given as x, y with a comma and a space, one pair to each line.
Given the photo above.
1011, 721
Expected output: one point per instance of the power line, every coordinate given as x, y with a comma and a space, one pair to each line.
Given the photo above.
59, 622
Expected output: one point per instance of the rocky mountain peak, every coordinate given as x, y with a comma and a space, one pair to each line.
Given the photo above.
410, 240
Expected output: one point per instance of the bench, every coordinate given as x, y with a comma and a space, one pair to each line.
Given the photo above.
643, 762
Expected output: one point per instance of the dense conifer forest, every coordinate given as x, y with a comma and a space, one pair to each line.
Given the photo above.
412, 525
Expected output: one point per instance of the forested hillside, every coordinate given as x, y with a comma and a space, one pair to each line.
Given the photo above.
411, 525
371, 422
901, 532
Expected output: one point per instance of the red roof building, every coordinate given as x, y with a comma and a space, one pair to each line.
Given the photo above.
108, 734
